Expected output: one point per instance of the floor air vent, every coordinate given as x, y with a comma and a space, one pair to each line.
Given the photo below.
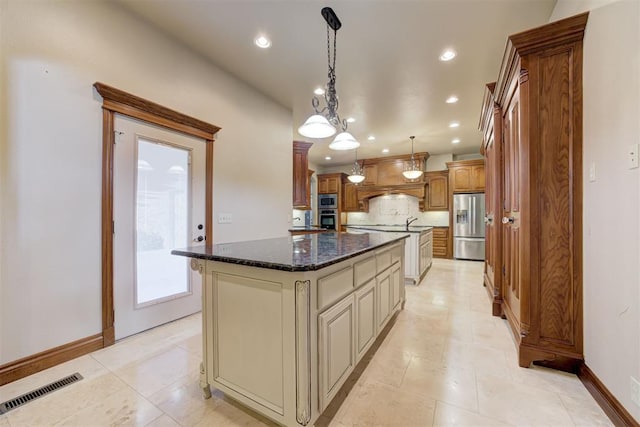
42, 391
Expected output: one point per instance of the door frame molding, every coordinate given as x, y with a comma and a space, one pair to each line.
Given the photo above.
117, 101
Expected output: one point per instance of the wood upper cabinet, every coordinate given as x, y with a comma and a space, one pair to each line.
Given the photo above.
301, 186
466, 176
539, 144
370, 175
350, 198
329, 183
438, 191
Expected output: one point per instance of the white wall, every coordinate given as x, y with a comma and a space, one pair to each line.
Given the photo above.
611, 211
438, 162
50, 154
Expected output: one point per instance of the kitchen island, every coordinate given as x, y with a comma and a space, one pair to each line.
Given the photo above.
418, 250
286, 320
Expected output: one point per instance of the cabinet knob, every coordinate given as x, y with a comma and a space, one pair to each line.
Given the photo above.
488, 219
506, 220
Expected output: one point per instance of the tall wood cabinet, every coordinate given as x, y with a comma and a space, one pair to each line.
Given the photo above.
301, 178
533, 145
491, 119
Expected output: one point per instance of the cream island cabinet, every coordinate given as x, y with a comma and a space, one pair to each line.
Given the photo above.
286, 320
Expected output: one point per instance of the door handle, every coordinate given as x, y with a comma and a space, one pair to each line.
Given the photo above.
508, 220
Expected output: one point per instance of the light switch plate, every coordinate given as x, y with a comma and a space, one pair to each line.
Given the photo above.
635, 391
592, 172
633, 156
225, 218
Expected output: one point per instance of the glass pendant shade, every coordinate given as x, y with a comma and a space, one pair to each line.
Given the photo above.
412, 170
412, 173
344, 141
356, 178
317, 126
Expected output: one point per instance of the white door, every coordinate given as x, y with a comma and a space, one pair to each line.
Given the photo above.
158, 205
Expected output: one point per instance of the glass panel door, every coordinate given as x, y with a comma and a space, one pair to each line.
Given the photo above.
162, 221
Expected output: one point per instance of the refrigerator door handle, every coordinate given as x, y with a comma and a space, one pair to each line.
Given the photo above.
472, 214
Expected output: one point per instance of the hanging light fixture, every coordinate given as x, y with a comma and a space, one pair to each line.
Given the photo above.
357, 175
325, 122
412, 170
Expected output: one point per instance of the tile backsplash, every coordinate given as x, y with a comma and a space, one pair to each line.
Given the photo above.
395, 209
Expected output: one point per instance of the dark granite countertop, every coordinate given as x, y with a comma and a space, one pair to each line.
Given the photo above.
305, 252
307, 228
392, 228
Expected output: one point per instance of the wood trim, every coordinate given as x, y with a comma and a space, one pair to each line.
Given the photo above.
122, 98
35, 363
423, 155
607, 401
208, 203
536, 39
108, 141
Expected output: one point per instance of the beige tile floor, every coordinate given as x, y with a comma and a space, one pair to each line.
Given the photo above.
445, 361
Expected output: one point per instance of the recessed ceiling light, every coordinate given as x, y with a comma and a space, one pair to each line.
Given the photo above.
454, 124
371, 138
447, 55
385, 150
327, 158
351, 120
319, 91
452, 99
262, 42
455, 141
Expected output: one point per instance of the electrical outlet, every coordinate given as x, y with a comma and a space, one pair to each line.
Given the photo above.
635, 391
225, 218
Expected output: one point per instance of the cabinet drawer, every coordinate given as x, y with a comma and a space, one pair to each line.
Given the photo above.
440, 232
383, 260
396, 252
332, 287
424, 237
440, 242
364, 271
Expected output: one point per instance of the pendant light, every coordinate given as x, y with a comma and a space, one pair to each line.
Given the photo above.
326, 121
356, 176
412, 169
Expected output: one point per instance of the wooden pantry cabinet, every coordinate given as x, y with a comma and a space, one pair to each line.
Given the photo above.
490, 120
301, 176
532, 127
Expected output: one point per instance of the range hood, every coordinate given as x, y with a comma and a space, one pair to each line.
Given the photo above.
418, 190
384, 176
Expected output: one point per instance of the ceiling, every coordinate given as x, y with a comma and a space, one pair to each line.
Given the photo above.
388, 73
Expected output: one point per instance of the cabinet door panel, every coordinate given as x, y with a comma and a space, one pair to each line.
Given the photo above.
383, 293
365, 318
396, 281
511, 236
336, 348
462, 179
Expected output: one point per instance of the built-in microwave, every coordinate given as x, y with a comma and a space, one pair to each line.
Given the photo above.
327, 201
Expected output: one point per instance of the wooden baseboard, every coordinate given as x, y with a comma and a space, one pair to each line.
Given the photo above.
607, 401
35, 363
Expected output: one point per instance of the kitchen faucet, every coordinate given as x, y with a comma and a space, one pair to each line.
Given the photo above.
410, 220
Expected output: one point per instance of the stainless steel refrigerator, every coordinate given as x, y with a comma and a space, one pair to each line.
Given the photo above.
468, 226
